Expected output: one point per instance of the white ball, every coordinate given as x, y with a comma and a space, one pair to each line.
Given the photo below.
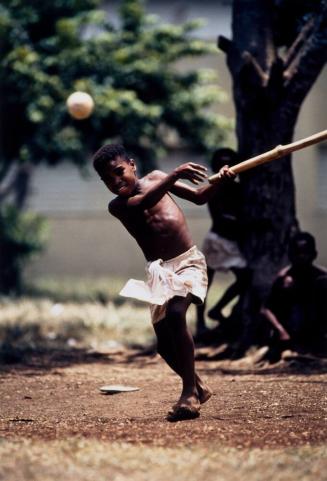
80, 105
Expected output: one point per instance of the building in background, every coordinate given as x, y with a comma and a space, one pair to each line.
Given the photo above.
86, 241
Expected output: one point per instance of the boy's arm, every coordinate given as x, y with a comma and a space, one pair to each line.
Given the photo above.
162, 183
283, 334
202, 194
274, 299
114, 207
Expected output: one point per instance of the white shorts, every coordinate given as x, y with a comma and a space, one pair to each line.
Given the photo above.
180, 276
222, 254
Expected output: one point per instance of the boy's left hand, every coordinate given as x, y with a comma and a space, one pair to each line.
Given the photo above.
226, 173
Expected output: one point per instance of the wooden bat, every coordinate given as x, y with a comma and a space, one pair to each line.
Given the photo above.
276, 153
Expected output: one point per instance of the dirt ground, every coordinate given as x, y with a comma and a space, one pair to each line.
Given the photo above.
263, 423
55, 396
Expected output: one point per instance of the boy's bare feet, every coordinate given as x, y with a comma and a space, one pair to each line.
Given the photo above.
204, 391
188, 407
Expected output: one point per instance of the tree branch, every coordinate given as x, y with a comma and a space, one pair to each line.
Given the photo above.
4, 169
252, 49
224, 44
17, 184
229, 48
299, 41
309, 61
233, 57
8, 182
250, 60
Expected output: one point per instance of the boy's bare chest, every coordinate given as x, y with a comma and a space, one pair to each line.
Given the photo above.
164, 210
163, 216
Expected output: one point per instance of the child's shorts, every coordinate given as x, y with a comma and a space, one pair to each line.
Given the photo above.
222, 254
180, 276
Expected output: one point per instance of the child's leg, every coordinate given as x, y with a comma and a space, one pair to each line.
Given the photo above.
232, 291
166, 349
200, 309
182, 342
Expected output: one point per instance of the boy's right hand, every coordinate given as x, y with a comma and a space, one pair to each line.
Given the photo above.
226, 173
196, 173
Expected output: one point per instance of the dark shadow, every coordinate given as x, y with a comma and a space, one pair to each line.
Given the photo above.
297, 365
292, 366
41, 360
25, 347
227, 353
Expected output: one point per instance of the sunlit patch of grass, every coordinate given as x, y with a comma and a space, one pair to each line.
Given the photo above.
99, 289
71, 289
87, 459
81, 313
35, 324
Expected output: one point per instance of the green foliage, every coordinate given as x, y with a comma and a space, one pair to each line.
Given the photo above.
51, 48
21, 236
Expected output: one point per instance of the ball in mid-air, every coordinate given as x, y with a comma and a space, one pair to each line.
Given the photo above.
80, 105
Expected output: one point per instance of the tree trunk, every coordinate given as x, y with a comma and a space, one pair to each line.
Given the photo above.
16, 185
268, 93
14, 192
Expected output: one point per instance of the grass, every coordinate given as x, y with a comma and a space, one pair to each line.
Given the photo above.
100, 289
86, 459
76, 290
84, 313
48, 324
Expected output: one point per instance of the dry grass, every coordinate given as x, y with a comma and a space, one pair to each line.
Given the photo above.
81, 459
84, 313
47, 324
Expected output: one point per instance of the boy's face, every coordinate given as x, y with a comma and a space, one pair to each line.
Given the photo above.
302, 254
217, 164
120, 176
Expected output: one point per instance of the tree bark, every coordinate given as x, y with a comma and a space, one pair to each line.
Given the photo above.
16, 185
268, 92
15, 190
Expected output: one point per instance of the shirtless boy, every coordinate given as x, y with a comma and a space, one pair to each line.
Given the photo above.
176, 268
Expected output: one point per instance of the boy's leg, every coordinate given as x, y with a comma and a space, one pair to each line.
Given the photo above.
200, 309
166, 349
182, 341
236, 289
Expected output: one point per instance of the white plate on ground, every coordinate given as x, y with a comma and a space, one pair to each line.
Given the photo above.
116, 388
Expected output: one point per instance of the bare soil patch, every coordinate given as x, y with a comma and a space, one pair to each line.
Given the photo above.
54, 396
